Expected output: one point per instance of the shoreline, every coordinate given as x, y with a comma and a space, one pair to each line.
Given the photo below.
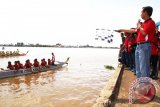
46, 46
110, 91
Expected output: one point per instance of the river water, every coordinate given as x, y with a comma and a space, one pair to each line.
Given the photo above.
76, 85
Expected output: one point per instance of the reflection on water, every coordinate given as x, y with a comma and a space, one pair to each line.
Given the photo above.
77, 85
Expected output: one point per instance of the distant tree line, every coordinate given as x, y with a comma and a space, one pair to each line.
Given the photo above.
21, 44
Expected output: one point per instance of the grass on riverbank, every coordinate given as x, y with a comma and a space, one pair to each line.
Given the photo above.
109, 67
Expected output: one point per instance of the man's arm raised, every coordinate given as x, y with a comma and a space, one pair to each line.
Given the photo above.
126, 30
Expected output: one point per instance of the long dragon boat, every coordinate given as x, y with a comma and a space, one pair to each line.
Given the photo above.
13, 55
20, 72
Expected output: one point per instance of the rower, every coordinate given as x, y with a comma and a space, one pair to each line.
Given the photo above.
11, 53
3, 53
20, 65
7, 53
43, 62
17, 52
36, 63
16, 66
14, 53
28, 64
49, 62
10, 66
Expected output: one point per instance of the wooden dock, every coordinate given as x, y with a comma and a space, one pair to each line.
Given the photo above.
116, 91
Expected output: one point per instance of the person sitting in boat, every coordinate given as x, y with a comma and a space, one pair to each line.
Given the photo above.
49, 62
14, 53
43, 62
3, 53
53, 58
10, 66
36, 63
11, 53
16, 65
28, 64
20, 65
17, 52
7, 53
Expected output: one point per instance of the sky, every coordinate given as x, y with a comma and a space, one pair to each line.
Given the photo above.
69, 22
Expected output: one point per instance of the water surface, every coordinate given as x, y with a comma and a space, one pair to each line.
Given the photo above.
76, 85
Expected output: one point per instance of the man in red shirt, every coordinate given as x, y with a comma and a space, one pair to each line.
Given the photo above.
145, 36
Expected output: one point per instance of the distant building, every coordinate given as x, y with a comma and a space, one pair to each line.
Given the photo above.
20, 44
58, 44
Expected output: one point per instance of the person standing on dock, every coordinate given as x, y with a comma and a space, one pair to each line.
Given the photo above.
145, 36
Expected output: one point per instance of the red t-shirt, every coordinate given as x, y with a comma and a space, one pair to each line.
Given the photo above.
28, 65
43, 63
20, 66
36, 64
49, 62
126, 42
149, 28
11, 67
16, 66
130, 43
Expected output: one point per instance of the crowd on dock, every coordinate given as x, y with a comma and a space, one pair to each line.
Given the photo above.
140, 50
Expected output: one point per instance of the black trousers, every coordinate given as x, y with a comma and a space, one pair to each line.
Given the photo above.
153, 62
